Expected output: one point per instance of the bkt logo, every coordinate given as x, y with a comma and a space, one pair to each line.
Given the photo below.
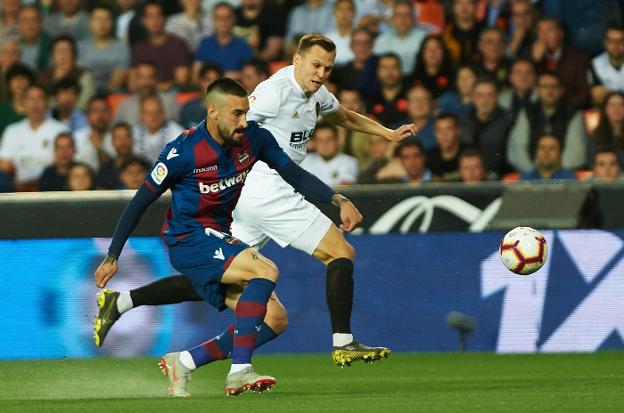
224, 183
574, 303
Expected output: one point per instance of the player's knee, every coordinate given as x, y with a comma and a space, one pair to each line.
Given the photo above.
267, 270
278, 320
345, 250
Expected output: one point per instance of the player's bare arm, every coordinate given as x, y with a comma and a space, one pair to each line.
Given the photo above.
352, 120
349, 214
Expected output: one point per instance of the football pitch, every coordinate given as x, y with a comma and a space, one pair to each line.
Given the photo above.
471, 382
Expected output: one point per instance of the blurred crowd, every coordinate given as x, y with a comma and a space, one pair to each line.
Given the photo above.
508, 90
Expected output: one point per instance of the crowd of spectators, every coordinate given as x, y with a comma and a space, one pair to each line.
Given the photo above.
499, 89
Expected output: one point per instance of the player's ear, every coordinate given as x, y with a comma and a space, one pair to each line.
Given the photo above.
213, 113
296, 59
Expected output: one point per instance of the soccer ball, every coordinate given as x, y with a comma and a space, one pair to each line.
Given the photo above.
523, 250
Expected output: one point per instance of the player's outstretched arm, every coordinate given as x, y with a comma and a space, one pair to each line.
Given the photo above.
128, 221
352, 120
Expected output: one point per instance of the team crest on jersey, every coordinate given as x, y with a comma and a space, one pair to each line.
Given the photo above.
159, 173
252, 99
232, 241
243, 158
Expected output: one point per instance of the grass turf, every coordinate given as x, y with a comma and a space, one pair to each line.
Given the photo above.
473, 382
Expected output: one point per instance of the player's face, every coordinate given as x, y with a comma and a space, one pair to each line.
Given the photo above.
313, 67
232, 119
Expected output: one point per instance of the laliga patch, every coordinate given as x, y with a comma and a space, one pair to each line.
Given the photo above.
159, 173
243, 158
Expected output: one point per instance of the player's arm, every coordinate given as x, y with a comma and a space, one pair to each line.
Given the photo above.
349, 119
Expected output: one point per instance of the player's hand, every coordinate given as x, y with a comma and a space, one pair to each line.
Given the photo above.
349, 214
105, 271
405, 131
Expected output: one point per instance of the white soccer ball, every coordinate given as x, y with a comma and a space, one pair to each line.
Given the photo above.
523, 250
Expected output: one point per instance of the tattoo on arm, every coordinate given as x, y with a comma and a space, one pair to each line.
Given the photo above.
338, 200
254, 255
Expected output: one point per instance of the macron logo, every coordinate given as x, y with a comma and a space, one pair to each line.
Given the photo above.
172, 153
219, 254
224, 183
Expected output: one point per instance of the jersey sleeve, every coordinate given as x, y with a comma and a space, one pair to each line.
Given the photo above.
329, 103
264, 103
269, 150
169, 168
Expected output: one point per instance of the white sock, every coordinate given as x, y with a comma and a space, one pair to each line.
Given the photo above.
238, 367
341, 339
124, 302
187, 360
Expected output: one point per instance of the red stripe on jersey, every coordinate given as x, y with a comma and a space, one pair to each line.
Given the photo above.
227, 263
206, 156
150, 186
250, 309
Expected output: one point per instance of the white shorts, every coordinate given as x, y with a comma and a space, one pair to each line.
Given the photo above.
270, 208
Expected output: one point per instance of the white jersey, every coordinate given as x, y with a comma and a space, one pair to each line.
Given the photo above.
280, 105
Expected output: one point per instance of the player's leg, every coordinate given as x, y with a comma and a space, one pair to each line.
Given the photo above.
338, 255
112, 304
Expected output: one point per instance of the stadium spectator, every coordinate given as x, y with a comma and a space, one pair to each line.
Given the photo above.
145, 83
194, 111
132, 172
313, 16
492, 61
105, 56
94, 141
66, 92
352, 142
459, 100
420, 112
413, 160
18, 78
26, 146
65, 65
54, 177
34, 42
192, 24
403, 38
344, 13
154, 131
263, 26
521, 30
443, 159
108, 175
494, 13
548, 161
380, 151
389, 104
327, 163
252, 73
126, 13
168, 52
8, 18
223, 47
607, 166
70, 20
9, 55
550, 115
607, 68
471, 167
80, 177
486, 126
550, 53
610, 129
461, 33
522, 92
433, 68
359, 73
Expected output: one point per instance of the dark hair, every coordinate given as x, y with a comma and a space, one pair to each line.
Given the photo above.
39, 86
134, 160
103, 6
152, 3
65, 38
470, 153
365, 31
224, 4
550, 73
259, 65
315, 39
323, 124
89, 170
522, 60
151, 96
486, 80
65, 134
351, 2
550, 19
146, 63
409, 142
30, 6
607, 148
210, 67
96, 98
419, 65
550, 135
19, 69
403, 3
603, 134
389, 55
227, 86
66, 83
447, 115
614, 26
122, 124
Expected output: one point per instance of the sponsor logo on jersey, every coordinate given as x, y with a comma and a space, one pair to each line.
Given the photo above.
295, 115
223, 184
210, 168
243, 158
219, 254
172, 153
159, 173
232, 241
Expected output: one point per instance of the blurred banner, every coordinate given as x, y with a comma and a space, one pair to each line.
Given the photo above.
405, 287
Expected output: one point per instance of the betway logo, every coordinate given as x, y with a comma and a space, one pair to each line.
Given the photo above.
223, 183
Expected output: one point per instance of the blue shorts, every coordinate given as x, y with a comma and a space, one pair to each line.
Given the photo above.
203, 257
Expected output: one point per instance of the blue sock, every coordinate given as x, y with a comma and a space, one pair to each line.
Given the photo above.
250, 311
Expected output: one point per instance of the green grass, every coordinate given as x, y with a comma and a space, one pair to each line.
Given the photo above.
474, 382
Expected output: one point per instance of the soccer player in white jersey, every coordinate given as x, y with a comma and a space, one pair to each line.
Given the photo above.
288, 104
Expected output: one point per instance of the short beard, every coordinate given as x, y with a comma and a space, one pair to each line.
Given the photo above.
228, 140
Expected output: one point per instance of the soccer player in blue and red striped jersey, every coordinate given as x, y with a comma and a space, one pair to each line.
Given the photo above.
205, 168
